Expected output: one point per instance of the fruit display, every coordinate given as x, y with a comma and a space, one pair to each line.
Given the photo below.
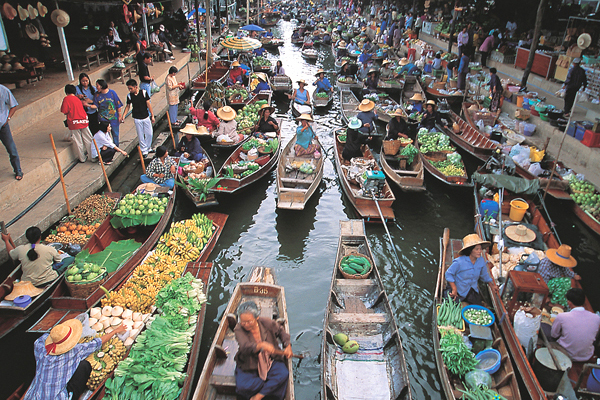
94, 209
88, 273
241, 169
138, 209
102, 365
149, 371
307, 168
354, 265
345, 79
586, 196
237, 93
248, 116
261, 62
187, 238
433, 141
449, 168
348, 346
105, 320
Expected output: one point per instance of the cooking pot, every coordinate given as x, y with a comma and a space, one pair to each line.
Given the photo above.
555, 113
545, 370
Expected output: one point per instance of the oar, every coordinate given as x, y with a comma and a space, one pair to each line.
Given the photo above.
445, 240
388, 234
280, 353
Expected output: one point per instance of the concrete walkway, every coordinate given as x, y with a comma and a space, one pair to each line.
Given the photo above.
31, 126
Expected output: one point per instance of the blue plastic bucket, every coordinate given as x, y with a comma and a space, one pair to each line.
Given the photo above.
593, 382
489, 360
488, 208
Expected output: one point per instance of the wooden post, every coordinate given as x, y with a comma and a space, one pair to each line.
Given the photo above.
208, 34
142, 159
534, 42
102, 165
247, 12
62, 178
171, 129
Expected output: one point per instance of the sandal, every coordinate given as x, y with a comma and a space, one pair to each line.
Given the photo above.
18, 177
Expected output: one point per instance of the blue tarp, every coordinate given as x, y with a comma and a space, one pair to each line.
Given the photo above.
193, 13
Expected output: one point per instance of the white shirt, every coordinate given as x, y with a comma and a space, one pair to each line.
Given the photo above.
116, 37
102, 139
462, 38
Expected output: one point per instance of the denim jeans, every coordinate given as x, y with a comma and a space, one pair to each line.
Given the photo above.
114, 125
170, 183
11, 148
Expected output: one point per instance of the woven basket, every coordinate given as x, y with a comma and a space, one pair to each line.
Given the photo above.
435, 156
83, 290
355, 276
339, 140
391, 147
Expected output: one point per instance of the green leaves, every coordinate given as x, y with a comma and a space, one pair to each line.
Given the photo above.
111, 257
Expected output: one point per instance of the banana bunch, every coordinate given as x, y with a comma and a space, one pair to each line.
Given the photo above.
102, 365
187, 238
115, 349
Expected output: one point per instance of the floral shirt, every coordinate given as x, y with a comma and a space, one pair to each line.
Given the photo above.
157, 167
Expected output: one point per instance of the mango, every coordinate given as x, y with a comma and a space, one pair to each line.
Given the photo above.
350, 347
340, 339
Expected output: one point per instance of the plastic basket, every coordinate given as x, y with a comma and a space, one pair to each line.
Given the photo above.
476, 307
355, 276
391, 147
83, 290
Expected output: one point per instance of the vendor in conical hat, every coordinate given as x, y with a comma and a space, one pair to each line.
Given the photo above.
397, 126
322, 83
62, 370
558, 263
367, 116
417, 102
189, 146
227, 131
467, 269
386, 72
371, 82
305, 135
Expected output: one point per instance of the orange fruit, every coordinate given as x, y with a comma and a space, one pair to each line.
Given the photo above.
74, 232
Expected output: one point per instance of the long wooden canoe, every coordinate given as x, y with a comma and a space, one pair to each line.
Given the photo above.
217, 380
218, 71
55, 315
349, 109
321, 102
366, 207
12, 316
471, 140
310, 54
385, 111
352, 84
504, 381
360, 309
294, 187
411, 87
452, 99
428, 159
231, 184
411, 178
211, 199
391, 85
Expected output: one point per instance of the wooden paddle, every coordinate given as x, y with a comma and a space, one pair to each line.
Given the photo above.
280, 353
445, 241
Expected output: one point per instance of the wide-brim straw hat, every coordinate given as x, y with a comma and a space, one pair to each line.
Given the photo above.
417, 97
344, 62
189, 129
42, 9
473, 240
9, 11
63, 337
202, 130
432, 102
385, 62
262, 76
320, 71
136, 16
372, 71
32, 32
235, 64
366, 105
23, 288
60, 18
299, 81
354, 123
562, 256
226, 113
520, 233
403, 61
398, 113
23, 14
265, 107
305, 117
32, 11
146, 188
584, 40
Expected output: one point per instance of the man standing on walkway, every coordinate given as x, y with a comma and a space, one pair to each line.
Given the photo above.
8, 106
462, 40
77, 122
144, 73
139, 100
575, 80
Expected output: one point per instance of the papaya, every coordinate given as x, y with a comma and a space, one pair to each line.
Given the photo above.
340, 338
350, 347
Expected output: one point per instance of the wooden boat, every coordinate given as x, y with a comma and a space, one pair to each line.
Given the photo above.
391, 85
298, 108
385, 111
12, 316
271, 43
408, 177
63, 305
348, 84
294, 188
309, 54
261, 68
281, 84
429, 158
360, 308
504, 381
299, 40
452, 99
411, 87
232, 184
217, 380
211, 199
349, 109
367, 208
218, 71
270, 19
469, 139
588, 219
321, 102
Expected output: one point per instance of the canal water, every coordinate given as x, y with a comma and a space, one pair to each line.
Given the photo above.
301, 248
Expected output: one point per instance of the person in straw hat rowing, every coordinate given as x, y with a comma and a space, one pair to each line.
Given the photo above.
558, 263
322, 83
304, 137
467, 269
61, 370
189, 146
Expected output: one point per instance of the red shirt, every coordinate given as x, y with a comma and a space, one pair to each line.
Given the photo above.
211, 123
235, 72
76, 116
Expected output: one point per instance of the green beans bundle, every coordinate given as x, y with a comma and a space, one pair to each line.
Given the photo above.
458, 358
481, 392
558, 289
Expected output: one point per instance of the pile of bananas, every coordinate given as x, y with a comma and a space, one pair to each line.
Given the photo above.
102, 365
187, 238
115, 348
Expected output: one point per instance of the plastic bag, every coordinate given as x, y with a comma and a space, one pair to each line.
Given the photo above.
536, 169
536, 155
154, 88
527, 327
84, 318
478, 377
522, 160
561, 93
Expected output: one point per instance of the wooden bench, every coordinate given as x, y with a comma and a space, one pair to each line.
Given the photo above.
87, 58
121, 73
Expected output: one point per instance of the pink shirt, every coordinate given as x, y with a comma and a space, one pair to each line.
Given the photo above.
487, 44
576, 331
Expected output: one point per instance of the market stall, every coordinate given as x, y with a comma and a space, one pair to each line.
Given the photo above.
544, 62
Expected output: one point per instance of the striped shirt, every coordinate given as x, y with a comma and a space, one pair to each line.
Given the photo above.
157, 167
548, 270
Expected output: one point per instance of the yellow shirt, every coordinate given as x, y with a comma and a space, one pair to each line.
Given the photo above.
40, 270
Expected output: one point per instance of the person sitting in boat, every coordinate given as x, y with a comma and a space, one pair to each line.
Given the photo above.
227, 131
347, 70
365, 57
437, 62
416, 102
266, 123
341, 49
406, 67
558, 263
105, 143
62, 370
161, 170
352, 47
304, 137
268, 34
295, 35
235, 74
371, 82
431, 116
575, 331
354, 140
367, 116
205, 117
278, 69
189, 146
308, 40
467, 269
397, 126
259, 52
36, 259
300, 95
262, 83
322, 83
363, 72
385, 72
259, 371
326, 38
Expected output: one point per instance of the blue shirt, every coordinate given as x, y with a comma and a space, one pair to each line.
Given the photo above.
7, 101
87, 93
301, 96
367, 118
303, 138
465, 274
261, 86
52, 373
260, 51
323, 84
108, 105
464, 65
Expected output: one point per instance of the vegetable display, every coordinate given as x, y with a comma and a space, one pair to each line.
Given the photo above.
449, 314
410, 152
237, 93
322, 95
558, 289
458, 358
344, 79
586, 196
88, 273
354, 265
138, 209
433, 141
261, 62
478, 316
449, 168
200, 187
481, 392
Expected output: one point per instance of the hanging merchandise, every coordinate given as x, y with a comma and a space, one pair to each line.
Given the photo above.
23, 14
42, 9
60, 18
